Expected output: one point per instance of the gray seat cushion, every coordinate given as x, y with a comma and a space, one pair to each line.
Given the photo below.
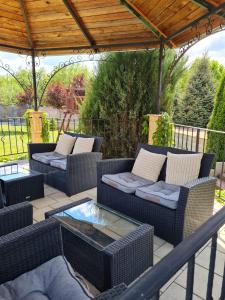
51, 280
59, 163
47, 157
161, 193
126, 182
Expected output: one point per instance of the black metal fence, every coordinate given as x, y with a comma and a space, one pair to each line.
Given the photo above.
149, 285
13, 138
120, 139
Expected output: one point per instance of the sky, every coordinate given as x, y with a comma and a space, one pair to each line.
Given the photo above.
213, 45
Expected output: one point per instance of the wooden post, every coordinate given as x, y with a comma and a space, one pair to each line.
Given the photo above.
35, 119
152, 126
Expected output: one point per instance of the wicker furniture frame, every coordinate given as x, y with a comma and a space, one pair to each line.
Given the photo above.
120, 262
27, 248
27, 188
195, 204
80, 174
15, 217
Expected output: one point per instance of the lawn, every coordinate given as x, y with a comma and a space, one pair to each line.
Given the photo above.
13, 141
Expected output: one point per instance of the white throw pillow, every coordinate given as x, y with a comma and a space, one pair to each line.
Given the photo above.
65, 144
182, 168
148, 165
83, 145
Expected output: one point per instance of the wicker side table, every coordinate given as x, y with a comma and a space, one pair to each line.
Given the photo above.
22, 186
104, 262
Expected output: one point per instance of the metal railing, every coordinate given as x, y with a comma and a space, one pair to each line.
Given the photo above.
196, 139
120, 139
13, 137
148, 286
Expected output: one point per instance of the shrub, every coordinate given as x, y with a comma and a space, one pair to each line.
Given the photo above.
216, 141
163, 134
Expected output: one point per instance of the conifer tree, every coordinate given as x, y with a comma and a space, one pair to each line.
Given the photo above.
216, 141
197, 102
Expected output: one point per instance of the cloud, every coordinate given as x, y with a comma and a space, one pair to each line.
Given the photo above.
213, 45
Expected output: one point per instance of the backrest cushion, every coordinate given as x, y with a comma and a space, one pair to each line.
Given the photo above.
206, 161
148, 165
65, 144
97, 143
83, 145
182, 168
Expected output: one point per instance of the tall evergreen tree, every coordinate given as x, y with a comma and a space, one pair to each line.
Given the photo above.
197, 102
123, 90
216, 141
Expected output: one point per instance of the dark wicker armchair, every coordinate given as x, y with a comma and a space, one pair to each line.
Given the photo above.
195, 204
80, 173
28, 248
15, 217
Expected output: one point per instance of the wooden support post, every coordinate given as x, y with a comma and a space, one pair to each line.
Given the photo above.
152, 126
35, 119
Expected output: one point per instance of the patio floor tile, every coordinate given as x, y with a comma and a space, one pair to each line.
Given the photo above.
200, 283
163, 250
43, 202
203, 260
176, 292
175, 288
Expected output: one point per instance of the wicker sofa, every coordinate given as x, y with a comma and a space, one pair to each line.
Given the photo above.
194, 206
80, 171
27, 249
15, 217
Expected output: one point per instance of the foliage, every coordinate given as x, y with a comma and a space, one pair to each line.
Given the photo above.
45, 128
57, 95
25, 97
162, 135
12, 93
216, 70
216, 141
122, 92
52, 124
197, 103
45, 125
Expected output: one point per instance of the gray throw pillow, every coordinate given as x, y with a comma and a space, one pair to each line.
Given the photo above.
51, 280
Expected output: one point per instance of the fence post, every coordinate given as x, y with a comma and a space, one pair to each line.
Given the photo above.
35, 120
197, 140
152, 126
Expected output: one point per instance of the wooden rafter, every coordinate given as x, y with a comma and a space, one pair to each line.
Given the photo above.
207, 5
213, 11
79, 21
25, 18
146, 21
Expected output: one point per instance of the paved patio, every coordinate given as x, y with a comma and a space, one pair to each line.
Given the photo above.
175, 288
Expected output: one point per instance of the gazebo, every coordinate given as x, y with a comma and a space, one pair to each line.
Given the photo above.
47, 27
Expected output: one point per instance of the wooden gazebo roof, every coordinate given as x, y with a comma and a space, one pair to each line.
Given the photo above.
70, 26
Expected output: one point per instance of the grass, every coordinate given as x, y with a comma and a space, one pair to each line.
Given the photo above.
220, 196
14, 140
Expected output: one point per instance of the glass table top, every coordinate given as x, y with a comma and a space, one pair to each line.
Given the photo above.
13, 171
97, 224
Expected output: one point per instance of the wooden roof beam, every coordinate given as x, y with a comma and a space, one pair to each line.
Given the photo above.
25, 19
214, 11
147, 22
103, 46
207, 5
79, 21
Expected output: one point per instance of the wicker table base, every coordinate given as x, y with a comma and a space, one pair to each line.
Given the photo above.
121, 261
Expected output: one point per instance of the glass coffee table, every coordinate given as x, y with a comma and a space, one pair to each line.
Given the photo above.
104, 246
18, 184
